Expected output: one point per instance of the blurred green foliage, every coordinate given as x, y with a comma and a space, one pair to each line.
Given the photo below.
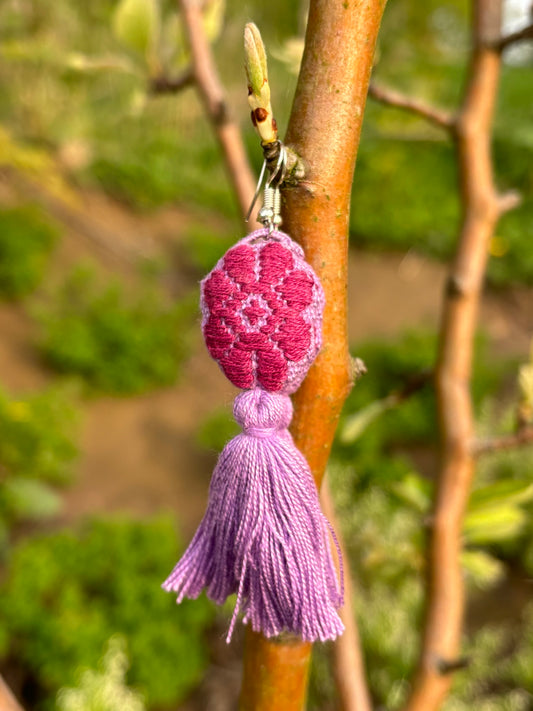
204, 247
117, 343
385, 538
103, 689
406, 192
379, 454
36, 451
26, 240
153, 150
67, 593
161, 169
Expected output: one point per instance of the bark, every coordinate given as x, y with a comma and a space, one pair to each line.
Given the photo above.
324, 130
481, 209
7, 701
348, 661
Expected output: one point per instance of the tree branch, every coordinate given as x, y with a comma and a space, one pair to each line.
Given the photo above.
445, 599
526, 33
324, 129
348, 661
509, 201
7, 701
171, 85
521, 438
437, 117
211, 92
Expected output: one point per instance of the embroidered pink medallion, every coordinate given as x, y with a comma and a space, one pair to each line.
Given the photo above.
262, 308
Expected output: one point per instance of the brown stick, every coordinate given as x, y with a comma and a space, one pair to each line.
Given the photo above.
394, 98
7, 701
171, 85
324, 130
526, 33
348, 661
212, 94
445, 603
520, 438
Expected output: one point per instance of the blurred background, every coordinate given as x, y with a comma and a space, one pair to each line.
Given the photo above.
114, 202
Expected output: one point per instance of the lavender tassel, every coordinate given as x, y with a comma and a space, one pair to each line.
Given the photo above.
263, 535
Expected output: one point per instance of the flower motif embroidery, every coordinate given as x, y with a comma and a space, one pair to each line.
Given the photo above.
255, 302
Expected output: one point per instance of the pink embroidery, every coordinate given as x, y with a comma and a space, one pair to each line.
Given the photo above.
259, 304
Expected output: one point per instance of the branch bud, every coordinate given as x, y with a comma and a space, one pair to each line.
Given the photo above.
258, 87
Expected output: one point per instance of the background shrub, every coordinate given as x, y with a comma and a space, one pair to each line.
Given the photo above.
26, 240
116, 343
37, 450
67, 593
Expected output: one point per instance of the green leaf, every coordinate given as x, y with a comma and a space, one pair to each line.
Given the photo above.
492, 525
213, 18
172, 45
136, 23
525, 383
355, 425
506, 492
30, 498
415, 491
483, 569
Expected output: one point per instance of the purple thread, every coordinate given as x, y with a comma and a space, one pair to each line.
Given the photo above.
263, 535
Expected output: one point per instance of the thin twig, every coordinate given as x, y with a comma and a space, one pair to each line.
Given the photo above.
509, 201
520, 438
526, 33
394, 98
348, 661
7, 701
171, 85
440, 648
212, 94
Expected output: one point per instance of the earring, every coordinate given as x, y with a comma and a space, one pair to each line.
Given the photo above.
263, 535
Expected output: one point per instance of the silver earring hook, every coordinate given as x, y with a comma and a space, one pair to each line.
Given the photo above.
278, 174
269, 214
257, 190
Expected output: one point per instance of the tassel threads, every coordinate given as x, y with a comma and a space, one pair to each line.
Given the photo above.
263, 535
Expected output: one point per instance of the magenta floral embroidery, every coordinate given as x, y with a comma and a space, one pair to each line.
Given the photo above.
260, 304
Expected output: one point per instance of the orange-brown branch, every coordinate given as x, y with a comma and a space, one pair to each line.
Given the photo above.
414, 105
526, 33
481, 208
7, 701
521, 438
348, 661
324, 130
